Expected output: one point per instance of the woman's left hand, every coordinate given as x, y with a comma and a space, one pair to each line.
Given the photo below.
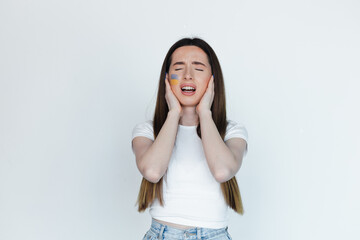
207, 99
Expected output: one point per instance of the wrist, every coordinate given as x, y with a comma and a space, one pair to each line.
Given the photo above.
205, 114
174, 114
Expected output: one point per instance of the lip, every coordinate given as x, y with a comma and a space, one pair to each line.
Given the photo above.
188, 84
188, 93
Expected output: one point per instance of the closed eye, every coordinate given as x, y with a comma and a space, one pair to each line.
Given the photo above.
176, 69
198, 69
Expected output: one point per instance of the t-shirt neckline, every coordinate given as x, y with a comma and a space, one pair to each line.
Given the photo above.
183, 126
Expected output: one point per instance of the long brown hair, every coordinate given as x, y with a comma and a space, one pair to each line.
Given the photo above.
148, 190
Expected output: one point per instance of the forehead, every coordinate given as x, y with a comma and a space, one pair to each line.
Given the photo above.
189, 53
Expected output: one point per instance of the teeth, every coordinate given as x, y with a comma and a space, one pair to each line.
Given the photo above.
188, 88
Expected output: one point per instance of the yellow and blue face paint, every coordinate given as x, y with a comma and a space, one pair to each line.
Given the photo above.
174, 80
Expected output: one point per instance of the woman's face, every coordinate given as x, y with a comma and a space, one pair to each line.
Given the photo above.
189, 74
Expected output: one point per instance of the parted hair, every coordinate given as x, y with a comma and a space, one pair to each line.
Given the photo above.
150, 191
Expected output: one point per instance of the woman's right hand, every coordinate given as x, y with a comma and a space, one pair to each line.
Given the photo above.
172, 101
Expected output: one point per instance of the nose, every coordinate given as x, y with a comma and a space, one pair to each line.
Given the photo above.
188, 73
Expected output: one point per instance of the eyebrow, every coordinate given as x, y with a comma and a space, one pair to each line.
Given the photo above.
179, 63
194, 62
198, 63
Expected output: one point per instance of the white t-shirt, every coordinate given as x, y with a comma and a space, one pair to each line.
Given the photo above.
191, 194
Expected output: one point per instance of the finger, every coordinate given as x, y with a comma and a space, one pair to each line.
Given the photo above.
167, 85
211, 84
212, 89
167, 91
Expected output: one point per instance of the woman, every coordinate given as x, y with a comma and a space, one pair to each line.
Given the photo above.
189, 154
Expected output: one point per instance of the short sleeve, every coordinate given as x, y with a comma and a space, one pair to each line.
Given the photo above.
236, 130
144, 129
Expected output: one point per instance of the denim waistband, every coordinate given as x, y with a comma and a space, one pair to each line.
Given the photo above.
163, 231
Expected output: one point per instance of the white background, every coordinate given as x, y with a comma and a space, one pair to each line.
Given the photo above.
76, 76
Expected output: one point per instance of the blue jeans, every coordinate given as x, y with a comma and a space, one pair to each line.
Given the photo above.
160, 231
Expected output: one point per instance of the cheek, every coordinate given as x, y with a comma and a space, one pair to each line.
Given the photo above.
175, 89
204, 86
174, 79
201, 91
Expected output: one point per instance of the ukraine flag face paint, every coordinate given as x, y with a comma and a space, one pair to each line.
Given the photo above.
174, 80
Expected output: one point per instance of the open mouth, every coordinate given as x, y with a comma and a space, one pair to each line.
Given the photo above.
188, 89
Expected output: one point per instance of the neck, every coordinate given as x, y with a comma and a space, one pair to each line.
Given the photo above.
189, 116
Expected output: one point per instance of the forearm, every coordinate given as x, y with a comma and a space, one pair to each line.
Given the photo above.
156, 159
220, 159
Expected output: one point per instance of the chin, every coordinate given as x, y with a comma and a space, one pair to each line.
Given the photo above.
189, 103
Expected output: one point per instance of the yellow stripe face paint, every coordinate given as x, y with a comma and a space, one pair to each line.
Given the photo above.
174, 80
